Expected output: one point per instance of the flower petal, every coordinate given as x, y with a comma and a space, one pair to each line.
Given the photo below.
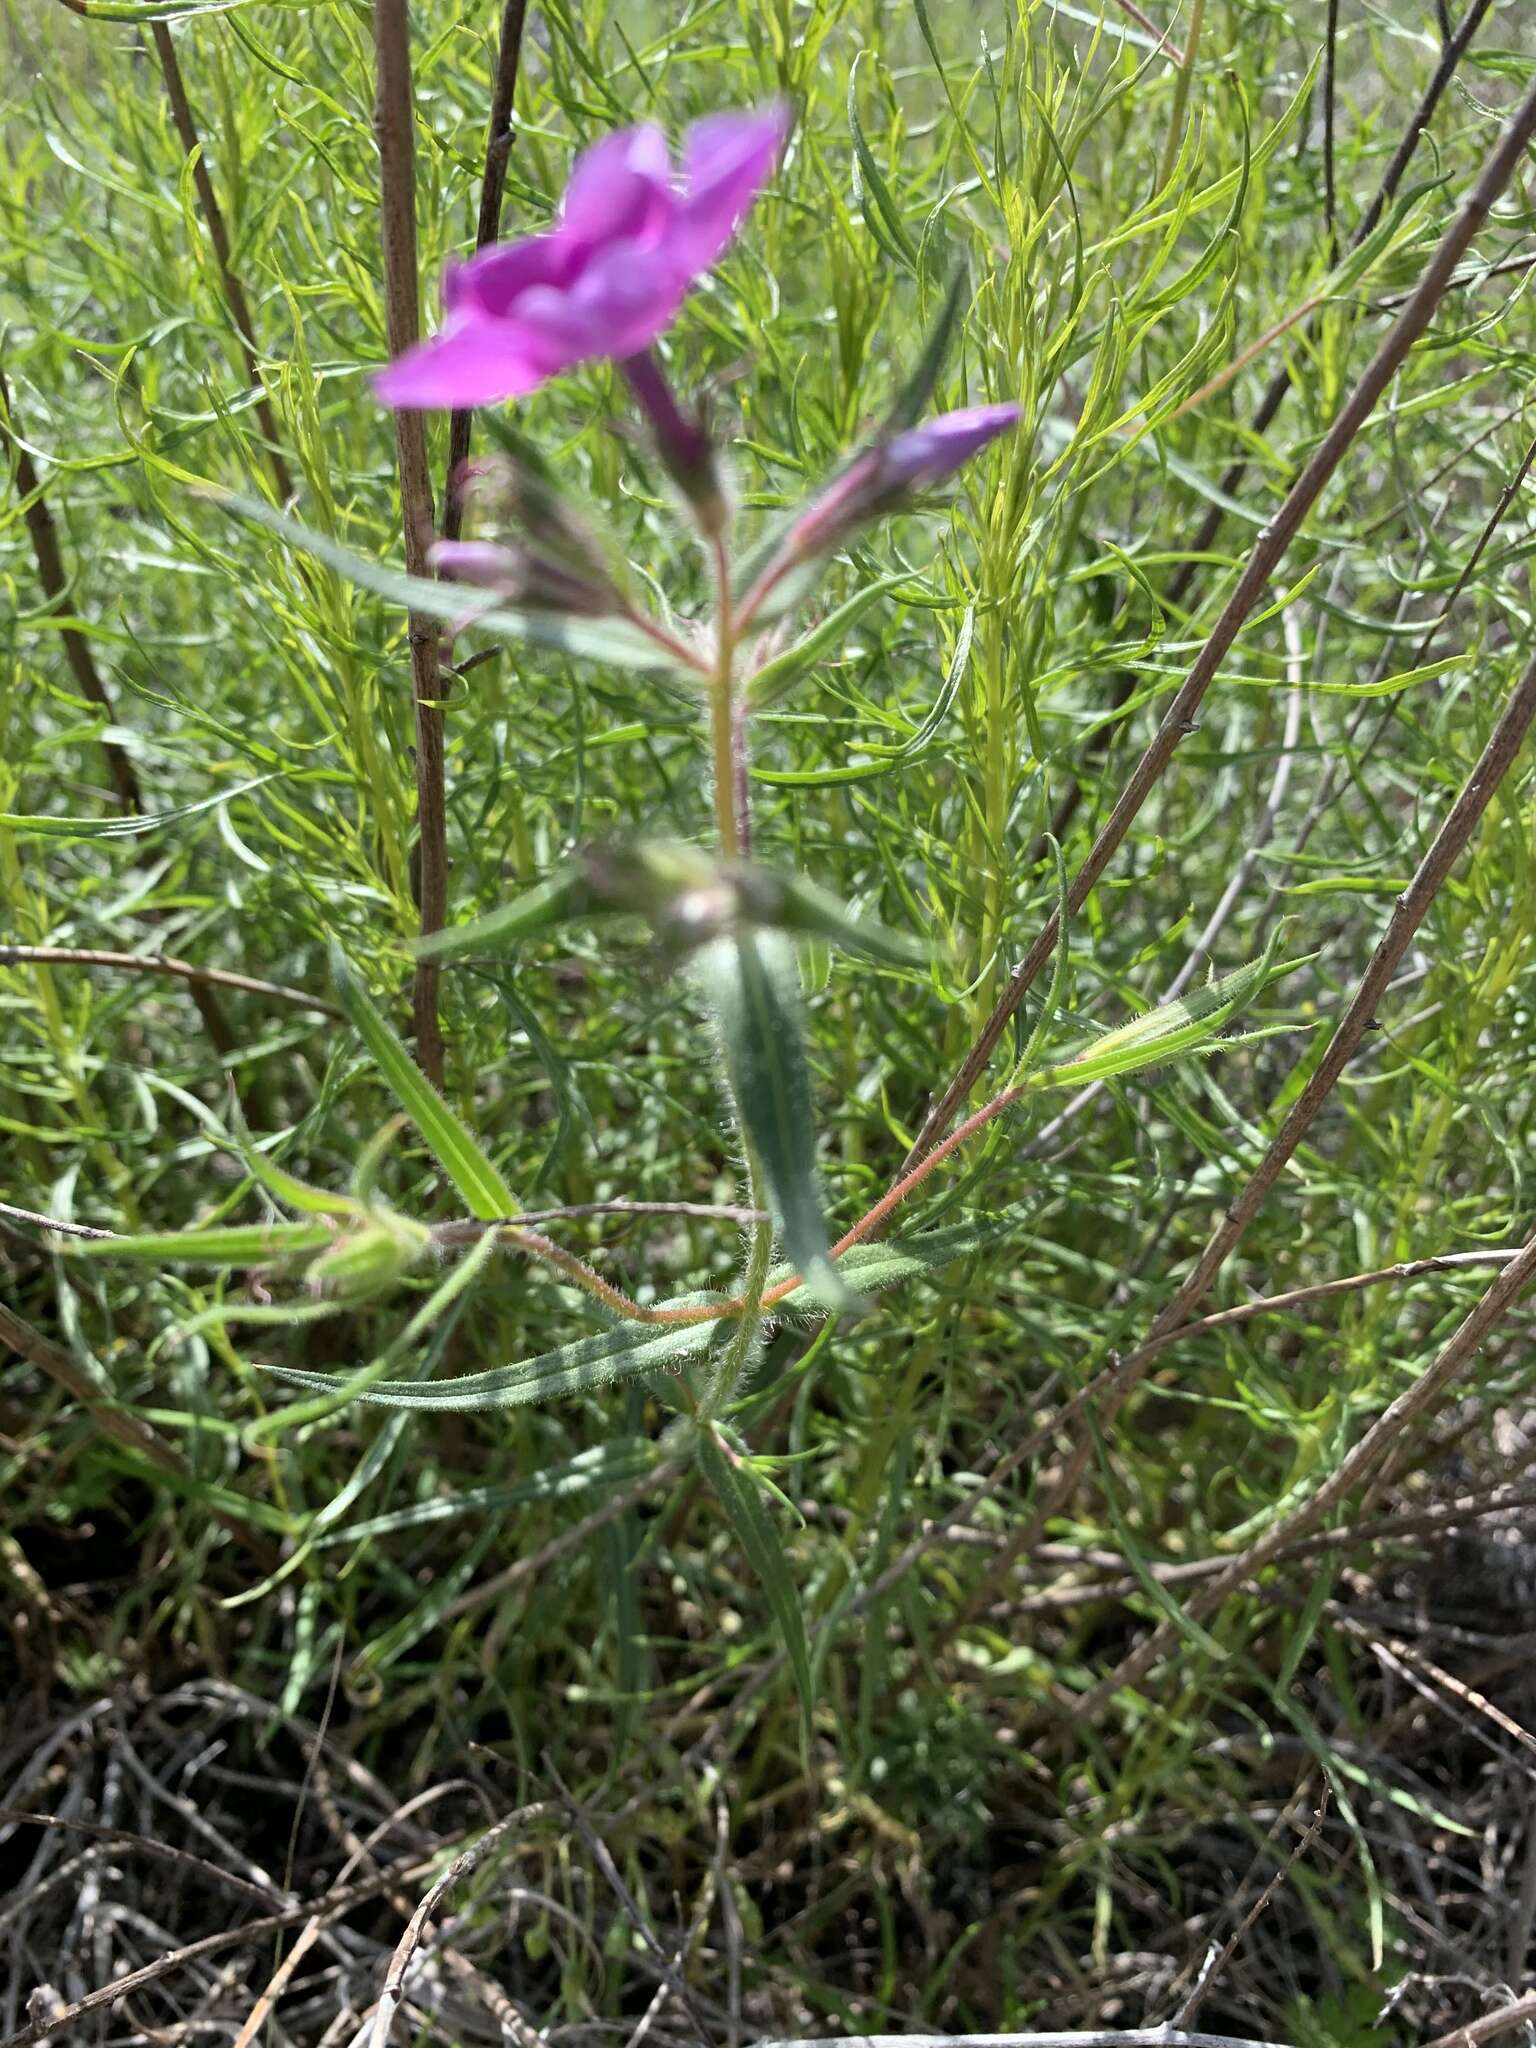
622, 186
621, 300
473, 361
727, 158
493, 281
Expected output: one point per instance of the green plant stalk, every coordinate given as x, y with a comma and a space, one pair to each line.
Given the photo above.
1181, 87
727, 735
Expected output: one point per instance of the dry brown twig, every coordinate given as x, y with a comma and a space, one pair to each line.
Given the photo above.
161, 963
218, 235
493, 185
393, 1993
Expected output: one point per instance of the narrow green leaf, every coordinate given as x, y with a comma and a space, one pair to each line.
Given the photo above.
872, 1268
535, 911
615, 1463
776, 678
456, 1151
738, 1494
611, 641
912, 400
298, 1195
752, 984
134, 826
247, 1244
800, 905
871, 194
572, 1369
1167, 1031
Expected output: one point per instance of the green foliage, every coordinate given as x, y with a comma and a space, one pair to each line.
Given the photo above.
971, 212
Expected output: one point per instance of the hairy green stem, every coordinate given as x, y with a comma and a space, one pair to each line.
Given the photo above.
729, 745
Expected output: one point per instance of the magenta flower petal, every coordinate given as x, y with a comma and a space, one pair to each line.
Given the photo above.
481, 562
622, 186
473, 361
632, 236
496, 279
727, 159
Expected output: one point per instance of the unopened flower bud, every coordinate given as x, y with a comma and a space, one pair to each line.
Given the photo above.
886, 477
524, 577
686, 451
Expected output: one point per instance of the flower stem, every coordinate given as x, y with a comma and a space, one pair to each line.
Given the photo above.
728, 736
722, 709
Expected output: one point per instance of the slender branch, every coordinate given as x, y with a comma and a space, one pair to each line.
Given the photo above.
394, 118
1321, 1290
1169, 48
218, 235
1330, 74
1414, 1403
1521, 2013
1268, 551
493, 185
15, 1215
44, 536
1408, 914
161, 963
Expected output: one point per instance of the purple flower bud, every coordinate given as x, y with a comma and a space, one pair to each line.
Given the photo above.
885, 477
523, 577
681, 442
632, 235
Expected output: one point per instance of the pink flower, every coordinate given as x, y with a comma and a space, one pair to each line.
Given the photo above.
632, 235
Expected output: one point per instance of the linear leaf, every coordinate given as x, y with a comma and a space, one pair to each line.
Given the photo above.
133, 826
872, 1268
775, 678
572, 1369
457, 1152
738, 1494
607, 640
534, 911
871, 194
912, 399
752, 983
1163, 1033
615, 1463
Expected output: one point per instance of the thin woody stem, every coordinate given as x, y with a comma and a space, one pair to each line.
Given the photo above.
493, 185
394, 129
218, 235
